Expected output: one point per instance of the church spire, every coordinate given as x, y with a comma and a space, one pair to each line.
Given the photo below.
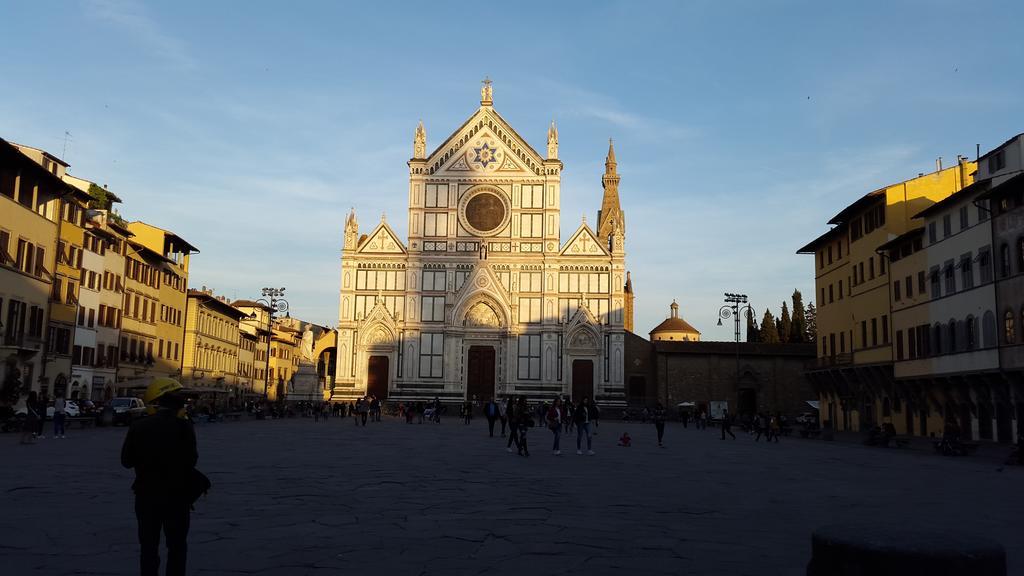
610, 220
351, 230
609, 161
552, 142
419, 142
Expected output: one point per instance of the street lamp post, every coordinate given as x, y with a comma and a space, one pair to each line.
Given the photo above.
273, 299
735, 303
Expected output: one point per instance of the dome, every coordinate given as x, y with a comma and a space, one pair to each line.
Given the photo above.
675, 328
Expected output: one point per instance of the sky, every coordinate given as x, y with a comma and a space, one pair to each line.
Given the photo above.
251, 128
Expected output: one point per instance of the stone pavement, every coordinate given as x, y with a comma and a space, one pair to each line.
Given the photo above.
295, 497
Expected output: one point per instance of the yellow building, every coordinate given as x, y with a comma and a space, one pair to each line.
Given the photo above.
64, 293
255, 325
210, 357
138, 320
246, 371
172, 287
855, 358
284, 360
29, 208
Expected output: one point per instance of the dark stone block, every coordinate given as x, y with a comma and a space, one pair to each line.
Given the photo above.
872, 550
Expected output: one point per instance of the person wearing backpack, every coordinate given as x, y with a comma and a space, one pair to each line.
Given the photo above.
523, 424
554, 419
581, 416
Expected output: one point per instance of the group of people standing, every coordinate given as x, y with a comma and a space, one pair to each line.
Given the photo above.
565, 416
366, 408
36, 407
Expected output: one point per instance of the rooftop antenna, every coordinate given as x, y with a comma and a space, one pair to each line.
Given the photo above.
64, 152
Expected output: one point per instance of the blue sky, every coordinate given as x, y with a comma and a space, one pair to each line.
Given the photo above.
250, 128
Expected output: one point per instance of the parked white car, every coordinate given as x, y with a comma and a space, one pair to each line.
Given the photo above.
70, 408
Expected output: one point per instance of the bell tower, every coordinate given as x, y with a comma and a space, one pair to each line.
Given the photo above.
611, 222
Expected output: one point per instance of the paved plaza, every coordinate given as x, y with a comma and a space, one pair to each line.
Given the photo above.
295, 497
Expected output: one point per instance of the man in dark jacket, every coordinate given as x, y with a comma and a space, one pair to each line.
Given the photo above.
491, 411
162, 450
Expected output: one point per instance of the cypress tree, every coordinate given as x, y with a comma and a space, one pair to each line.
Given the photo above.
785, 324
812, 323
753, 333
769, 332
798, 329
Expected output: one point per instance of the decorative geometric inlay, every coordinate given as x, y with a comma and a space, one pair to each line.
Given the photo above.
485, 156
481, 281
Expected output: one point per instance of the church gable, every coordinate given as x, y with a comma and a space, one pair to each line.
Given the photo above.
583, 243
485, 144
484, 153
383, 240
482, 287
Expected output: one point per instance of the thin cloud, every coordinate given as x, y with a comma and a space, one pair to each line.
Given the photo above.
131, 17
590, 104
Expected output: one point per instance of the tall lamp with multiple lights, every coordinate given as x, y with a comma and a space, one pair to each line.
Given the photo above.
734, 305
273, 299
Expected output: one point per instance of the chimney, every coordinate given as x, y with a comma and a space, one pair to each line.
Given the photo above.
938, 164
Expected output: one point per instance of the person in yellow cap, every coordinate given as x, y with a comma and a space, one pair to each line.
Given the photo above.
162, 450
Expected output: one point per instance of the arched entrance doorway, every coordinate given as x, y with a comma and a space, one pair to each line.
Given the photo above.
480, 373
377, 377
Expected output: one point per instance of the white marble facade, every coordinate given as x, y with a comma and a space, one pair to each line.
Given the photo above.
484, 299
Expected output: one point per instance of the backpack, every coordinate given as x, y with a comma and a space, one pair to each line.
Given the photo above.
553, 418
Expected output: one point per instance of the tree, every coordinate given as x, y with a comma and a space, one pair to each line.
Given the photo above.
785, 324
798, 329
11, 388
769, 332
753, 333
812, 323
103, 199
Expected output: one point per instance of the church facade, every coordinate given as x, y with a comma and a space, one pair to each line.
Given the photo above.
484, 299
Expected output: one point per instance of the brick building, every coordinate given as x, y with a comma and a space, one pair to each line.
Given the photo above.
771, 375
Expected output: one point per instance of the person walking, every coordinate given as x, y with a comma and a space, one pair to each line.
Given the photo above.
59, 415
595, 415
503, 410
491, 413
364, 409
658, 416
511, 414
581, 415
760, 428
467, 412
726, 424
554, 419
437, 410
41, 411
523, 424
162, 450
775, 427
31, 423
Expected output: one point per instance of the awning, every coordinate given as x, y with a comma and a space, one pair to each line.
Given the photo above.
816, 404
